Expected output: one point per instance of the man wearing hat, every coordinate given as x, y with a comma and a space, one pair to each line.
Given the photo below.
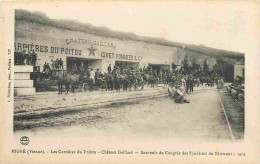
34, 57
109, 68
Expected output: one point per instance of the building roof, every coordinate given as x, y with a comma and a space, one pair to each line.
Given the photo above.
41, 18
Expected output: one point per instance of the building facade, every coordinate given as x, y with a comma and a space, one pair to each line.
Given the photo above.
77, 49
239, 69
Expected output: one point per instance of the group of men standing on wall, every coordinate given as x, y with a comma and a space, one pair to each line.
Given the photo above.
24, 58
30, 58
55, 65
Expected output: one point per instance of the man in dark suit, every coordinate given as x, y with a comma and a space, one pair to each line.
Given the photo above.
61, 63
34, 57
188, 84
109, 68
191, 84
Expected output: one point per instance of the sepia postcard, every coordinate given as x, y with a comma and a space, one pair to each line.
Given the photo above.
130, 82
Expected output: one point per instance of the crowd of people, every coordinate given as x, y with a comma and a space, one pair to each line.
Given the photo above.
122, 76
119, 77
24, 58
236, 90
181, 84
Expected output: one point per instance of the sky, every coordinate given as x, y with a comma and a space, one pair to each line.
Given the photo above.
218, 25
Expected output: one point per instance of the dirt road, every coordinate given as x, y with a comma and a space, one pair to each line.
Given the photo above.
201, 119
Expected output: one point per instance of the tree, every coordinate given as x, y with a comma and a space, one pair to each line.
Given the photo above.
224, 69
185, 65
195, 66
206, 67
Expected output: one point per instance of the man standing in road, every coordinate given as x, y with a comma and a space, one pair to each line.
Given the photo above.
188, 83
191, 84
92, 75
